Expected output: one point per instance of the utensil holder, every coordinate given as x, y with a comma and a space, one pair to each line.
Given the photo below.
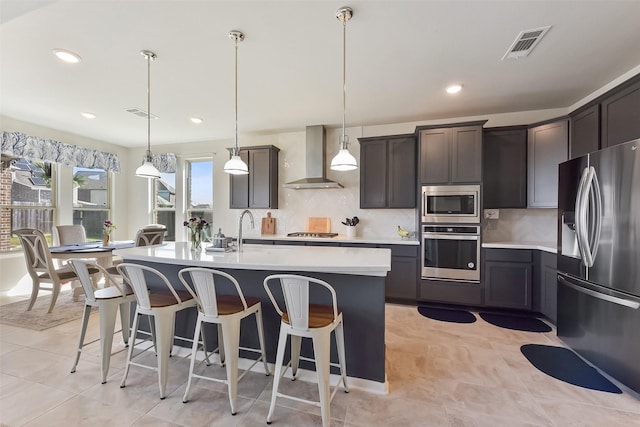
350, 232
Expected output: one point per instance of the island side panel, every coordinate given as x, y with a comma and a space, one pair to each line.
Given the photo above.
361, 299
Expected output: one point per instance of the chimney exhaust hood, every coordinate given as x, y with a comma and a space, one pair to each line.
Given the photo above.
315, 162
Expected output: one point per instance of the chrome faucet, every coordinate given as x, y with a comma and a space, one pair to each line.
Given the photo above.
246, 211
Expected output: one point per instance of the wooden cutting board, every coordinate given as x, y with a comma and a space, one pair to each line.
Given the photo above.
268, 225
318, 225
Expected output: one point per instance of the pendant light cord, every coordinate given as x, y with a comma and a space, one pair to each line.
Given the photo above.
148, 107
343, 142
235, 149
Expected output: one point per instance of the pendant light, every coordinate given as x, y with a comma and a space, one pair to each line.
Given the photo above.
344, 161
235, 165
147, 170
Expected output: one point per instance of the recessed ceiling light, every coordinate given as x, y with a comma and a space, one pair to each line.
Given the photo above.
454, 88
87, 115
196, 120
67, 56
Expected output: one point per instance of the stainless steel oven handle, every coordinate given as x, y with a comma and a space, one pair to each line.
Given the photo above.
620, 301
450, 236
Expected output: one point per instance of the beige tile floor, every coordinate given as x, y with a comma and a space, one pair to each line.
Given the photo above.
440, 374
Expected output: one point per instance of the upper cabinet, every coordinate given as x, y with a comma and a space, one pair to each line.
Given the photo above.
621, 115
451, 155
584, 131
547, 147
504, 153
388, 172
259, 189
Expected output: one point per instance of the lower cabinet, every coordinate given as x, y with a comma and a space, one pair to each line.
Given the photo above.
402, 279
450, 292
548, 285
508, 278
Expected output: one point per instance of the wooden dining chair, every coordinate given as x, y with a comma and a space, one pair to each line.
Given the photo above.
70, 234
40, 266
150, 235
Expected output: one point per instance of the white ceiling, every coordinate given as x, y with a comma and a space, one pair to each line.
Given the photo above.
400, 57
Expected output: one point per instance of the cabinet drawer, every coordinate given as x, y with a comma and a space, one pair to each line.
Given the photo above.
508, 255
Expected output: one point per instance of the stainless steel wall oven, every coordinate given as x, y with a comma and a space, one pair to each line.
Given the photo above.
451, 252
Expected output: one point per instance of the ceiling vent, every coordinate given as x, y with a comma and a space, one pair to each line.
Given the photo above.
140, 113
525, 42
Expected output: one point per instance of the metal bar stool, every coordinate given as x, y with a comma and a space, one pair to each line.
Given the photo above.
108, 300
304, 320
226, 311
162, 305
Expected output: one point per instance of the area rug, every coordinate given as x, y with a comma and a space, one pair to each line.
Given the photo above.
37, 318
447, 314
564, 365
515, 322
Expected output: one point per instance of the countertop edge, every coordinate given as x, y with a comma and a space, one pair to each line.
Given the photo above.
541, 246
338, 239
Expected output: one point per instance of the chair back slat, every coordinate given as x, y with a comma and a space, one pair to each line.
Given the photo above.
296, 299
82, 271
204, 282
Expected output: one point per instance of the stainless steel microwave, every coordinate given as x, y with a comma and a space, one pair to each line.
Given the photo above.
451, 204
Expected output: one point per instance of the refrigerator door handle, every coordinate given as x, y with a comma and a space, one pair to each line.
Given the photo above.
581, 216
595, 238
610, 298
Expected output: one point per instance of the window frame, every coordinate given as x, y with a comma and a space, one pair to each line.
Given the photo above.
109, 198
53, 207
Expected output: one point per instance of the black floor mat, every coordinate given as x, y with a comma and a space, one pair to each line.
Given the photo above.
517, 323
565, 365
447, 315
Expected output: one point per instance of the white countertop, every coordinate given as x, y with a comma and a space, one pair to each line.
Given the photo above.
340, 238
321, 259
542, 246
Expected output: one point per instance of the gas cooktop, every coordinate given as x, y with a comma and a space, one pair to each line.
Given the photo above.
310, 234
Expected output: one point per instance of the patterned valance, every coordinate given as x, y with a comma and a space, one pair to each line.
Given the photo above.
18, 144
165, 162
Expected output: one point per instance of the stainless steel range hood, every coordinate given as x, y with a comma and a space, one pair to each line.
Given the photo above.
315, 162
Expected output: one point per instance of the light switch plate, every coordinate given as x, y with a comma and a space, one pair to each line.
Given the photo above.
492, 213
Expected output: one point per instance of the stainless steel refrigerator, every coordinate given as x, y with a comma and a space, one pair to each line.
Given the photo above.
599, 259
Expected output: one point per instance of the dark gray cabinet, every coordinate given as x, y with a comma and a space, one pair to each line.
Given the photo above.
547, 147
388, 172
584, 131
504, 154
621, 115
451, 155
548, 285
401, 281
258, 189
508, 277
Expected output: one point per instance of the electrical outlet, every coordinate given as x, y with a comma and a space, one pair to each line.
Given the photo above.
491, 213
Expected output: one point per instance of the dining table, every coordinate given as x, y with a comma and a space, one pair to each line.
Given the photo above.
102, 254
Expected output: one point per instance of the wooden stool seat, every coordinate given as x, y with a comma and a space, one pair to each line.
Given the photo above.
319, 316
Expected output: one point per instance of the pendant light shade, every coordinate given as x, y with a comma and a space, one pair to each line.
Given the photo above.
147, 170
235, 165
344, 160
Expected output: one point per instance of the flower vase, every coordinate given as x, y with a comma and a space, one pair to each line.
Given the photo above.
196, 240
105, 239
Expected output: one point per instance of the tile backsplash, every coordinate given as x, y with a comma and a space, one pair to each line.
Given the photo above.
518, 225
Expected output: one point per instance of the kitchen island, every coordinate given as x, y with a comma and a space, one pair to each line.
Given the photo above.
356, 274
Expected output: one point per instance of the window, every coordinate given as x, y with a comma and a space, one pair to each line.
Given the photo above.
200, 189
91, 197
26, 199
164, 211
